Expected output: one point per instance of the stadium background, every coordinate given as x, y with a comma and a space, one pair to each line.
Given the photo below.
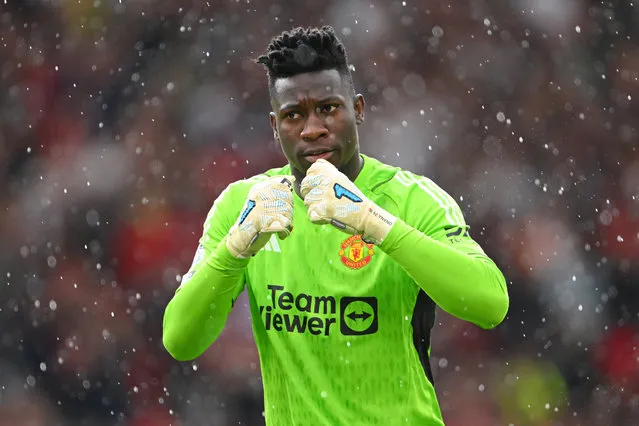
121, 121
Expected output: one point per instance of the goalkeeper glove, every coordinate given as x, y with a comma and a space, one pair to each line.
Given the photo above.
332, 198
268, 210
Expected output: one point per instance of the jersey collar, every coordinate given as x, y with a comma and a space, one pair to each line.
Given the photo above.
364, 178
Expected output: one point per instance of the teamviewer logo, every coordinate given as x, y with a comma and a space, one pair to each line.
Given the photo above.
358, 315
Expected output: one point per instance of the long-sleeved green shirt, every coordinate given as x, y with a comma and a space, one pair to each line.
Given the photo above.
343, 327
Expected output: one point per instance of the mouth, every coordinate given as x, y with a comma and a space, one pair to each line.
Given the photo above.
313, 155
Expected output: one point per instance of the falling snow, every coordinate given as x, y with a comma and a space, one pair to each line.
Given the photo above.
121, 122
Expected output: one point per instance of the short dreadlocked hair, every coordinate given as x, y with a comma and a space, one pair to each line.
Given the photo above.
303, 50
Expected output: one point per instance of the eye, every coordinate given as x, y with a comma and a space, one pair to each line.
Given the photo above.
328, 108
292, 115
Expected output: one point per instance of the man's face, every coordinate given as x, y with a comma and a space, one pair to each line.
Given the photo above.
315, 116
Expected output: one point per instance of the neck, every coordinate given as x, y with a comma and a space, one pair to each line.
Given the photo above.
353, 167
350, 169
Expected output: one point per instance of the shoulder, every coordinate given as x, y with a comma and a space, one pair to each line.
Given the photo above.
418, 185
399, 184
418, 194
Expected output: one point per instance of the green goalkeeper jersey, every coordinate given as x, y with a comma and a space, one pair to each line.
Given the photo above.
343, 327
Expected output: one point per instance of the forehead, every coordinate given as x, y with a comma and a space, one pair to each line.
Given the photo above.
316, 85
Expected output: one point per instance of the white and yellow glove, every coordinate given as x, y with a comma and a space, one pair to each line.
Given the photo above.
268, 210
332, 198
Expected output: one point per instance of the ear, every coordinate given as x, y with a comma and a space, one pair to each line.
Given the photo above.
273, 121
358, 106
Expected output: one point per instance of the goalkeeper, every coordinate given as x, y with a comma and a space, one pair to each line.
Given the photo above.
344, 259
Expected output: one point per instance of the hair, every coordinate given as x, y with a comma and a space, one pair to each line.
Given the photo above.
303, 50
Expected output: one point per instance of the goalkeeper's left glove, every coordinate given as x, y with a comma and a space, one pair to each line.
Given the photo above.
332, 198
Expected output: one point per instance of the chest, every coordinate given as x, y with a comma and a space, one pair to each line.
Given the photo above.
323, 282
318, 261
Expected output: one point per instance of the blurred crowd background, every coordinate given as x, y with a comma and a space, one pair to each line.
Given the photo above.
121, 121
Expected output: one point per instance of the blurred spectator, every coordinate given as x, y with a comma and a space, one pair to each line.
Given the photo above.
121, 122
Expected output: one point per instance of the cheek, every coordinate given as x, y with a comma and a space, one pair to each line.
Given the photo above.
291, 130
287, 141
286, 136
347, 129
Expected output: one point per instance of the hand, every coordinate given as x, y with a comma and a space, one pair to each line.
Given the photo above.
332, 198
268, 210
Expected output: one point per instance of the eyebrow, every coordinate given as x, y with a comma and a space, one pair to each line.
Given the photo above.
332, 98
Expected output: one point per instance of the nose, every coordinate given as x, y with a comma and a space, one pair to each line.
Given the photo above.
314, 129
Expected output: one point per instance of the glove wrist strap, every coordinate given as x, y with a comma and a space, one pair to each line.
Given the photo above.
378, 224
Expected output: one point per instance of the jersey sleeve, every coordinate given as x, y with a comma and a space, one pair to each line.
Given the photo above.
196, 314
430, 209
431, 241
217, 224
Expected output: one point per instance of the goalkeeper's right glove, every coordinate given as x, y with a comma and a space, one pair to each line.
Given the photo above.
268, 210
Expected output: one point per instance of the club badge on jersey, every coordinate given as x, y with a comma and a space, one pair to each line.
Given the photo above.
355, 253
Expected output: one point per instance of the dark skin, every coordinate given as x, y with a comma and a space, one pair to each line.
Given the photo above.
316, 113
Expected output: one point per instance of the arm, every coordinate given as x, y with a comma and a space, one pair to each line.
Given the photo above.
461, 279
196, 314
430, 241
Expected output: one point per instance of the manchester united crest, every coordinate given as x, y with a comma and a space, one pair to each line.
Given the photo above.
355, 253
